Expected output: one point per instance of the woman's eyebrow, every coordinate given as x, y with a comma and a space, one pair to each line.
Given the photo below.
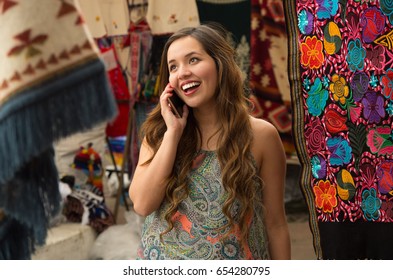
186, 56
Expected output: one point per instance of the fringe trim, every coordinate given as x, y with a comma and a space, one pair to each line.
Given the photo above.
30, 122
15, 241
30, 200
33, 119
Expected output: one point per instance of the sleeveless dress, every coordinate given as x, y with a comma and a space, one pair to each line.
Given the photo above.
198, 221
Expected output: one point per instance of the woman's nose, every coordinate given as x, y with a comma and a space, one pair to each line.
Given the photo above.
184, 71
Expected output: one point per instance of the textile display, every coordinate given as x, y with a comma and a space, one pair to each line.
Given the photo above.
105, 17
268, 74
340, 71
86, 205
234, 15
89, 162
117, 127
53, 83
166, 17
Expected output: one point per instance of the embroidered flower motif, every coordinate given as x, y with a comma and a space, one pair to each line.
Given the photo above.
312, 53
28, 43
371, 204
368, 174
325, 196
372, 22
385, 177
334, 121
340, 151
359, 85
356, 55
307, 83
315, 136
387, 84
379, 140
387, 8
339, 88
318, 167
373, 104
387, 207
376, 55
305, 22
345, 185
326, 8
317, 97
389, 108
374, 80
325, 82
332, 38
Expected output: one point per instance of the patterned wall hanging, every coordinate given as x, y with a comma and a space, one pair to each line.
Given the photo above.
341, 75
52, 84
268, 71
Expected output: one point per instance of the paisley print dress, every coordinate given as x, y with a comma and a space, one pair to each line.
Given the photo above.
198, 223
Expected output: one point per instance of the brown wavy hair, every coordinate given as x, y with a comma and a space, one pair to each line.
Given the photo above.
235, 135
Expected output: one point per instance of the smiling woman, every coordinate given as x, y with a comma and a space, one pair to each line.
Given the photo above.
211, 182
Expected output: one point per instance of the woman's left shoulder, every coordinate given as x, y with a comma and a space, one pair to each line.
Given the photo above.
263, 130
266, 140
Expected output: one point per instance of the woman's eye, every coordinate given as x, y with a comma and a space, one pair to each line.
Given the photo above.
194, 59
172, 67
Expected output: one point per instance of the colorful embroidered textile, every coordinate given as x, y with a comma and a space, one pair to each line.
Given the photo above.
52, 84
118, 126
196, 233
86, 205
341, 75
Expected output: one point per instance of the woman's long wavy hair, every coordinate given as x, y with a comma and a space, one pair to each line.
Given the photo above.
235, 135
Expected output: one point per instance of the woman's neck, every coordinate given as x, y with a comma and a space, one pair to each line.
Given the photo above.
209, 126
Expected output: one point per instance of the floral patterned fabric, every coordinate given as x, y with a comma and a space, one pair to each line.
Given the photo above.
197, 223
341, 75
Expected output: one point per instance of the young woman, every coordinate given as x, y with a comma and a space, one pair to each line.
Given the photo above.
211, 183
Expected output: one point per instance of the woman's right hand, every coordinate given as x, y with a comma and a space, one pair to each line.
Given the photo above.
172, 122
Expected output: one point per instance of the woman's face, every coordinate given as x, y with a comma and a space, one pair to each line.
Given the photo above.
192, 72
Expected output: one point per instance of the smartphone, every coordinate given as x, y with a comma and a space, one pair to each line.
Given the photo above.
176, 104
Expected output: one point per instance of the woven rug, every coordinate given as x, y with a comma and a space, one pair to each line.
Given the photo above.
52, 84
340, 70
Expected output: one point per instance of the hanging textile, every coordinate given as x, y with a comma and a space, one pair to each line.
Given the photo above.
118, 126
52, 84
340, 56
93, 17
166, 17
235, 17
105, 17
268, 74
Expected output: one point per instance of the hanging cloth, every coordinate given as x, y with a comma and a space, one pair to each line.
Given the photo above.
53, 83
164, 18
117, 127
106, 17
340, 69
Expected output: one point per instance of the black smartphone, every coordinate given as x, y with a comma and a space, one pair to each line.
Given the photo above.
176, 104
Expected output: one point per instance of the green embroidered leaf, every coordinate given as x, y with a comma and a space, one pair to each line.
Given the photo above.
357, 138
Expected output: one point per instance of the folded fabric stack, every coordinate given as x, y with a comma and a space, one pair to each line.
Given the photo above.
53, 83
